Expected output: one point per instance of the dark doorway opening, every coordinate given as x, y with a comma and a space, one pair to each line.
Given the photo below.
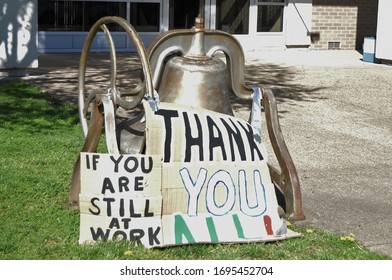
182, 13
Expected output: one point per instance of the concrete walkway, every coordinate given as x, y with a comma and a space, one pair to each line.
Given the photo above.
335, 114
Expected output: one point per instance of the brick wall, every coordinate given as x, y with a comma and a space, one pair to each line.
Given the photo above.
344, 21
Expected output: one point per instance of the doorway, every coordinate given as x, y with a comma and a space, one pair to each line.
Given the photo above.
182, 13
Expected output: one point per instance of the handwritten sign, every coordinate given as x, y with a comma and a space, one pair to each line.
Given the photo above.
203, 179
121, 198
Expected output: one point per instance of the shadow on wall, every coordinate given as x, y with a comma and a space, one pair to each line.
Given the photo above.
18, 33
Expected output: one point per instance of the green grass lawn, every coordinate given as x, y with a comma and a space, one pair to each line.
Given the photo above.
40, 141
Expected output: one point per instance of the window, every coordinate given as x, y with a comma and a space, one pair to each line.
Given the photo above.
232, 16
145, 16
60, 15
182, 14
270, 15
80, 15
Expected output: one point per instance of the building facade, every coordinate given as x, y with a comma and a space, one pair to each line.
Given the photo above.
343, 24
257, 24
32, 26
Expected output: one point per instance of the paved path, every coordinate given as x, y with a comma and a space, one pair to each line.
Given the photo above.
336, 116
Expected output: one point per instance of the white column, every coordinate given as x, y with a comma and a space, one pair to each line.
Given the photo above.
253, 18
212, 14
384, 34
164, 16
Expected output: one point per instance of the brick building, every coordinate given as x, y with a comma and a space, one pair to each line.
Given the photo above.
257, 24
33, 26
343, 24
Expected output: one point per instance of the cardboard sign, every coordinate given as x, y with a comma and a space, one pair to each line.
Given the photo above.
204, 179
121, 198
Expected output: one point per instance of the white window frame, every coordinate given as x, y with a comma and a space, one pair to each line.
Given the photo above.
74, 39
212, 16
113, 1
253, 17
128, 11
209, 14
161, 18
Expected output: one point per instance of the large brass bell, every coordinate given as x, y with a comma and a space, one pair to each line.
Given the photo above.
186, 72
180, 65
194, 76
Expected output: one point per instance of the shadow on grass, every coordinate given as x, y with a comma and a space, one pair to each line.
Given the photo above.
24, 107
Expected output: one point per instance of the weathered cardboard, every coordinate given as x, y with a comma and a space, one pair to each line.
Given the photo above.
204, 179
